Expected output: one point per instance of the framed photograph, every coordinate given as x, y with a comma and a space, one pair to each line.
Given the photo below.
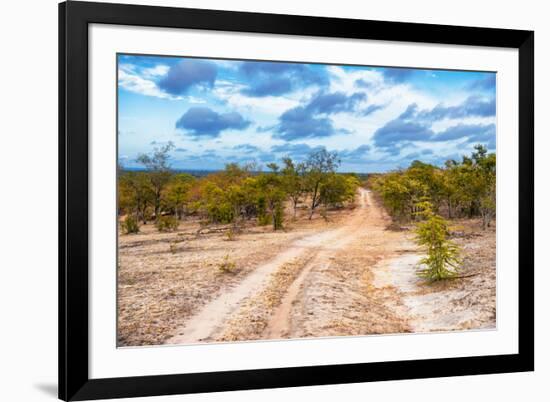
258, 201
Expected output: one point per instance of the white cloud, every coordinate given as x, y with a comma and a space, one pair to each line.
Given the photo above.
193, 99
444, 124
157, 71
346, 80
394, 99
353, 129
227, 64
135, 83
142, 82
230, 92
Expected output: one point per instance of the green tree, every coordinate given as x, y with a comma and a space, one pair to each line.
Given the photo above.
338, 189
130, 225
486, 166
135, 194
401, 193
272, 190
450, 189
250, 206
443, 256
466, 188
159, 173
429, 177
236, 197
216, 204
317, 168
293, 181
177, 193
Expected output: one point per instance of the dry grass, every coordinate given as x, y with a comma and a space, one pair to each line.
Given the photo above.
466, 302
479, 289
339, 299
164, 278
252, 319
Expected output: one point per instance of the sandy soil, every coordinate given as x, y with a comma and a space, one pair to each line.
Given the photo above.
351, 275
165, 278
459, 304
319, 246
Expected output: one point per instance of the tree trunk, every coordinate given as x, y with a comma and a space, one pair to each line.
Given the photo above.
313, 202
311, 212
157, 209
140, 212
486, 215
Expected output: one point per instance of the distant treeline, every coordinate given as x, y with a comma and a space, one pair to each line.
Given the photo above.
192, 172
465, 188
236, 194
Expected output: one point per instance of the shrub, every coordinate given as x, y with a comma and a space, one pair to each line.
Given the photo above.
443, 256
130, 225
324, 214
220, 212
167, 223
278, 215
264, 220
227, 266
231, 234
216, 205
173, 247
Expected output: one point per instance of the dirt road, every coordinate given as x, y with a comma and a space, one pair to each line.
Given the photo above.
318, 251
355, 279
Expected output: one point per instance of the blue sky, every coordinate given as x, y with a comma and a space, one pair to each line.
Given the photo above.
376, 118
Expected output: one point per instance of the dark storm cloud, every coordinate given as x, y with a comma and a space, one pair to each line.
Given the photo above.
357, 155
300, 123
415, 125
307, 73
312, 120
335, 102
474, 106
400, 130
187, 73
273, 87
253, 68
474, 133
204, 122
274, 79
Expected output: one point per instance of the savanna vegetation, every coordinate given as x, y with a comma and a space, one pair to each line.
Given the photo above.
237, 194
422, 193
464, 188
202, 235
425, 193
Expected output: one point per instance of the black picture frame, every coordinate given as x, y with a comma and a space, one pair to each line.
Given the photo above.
74, 18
